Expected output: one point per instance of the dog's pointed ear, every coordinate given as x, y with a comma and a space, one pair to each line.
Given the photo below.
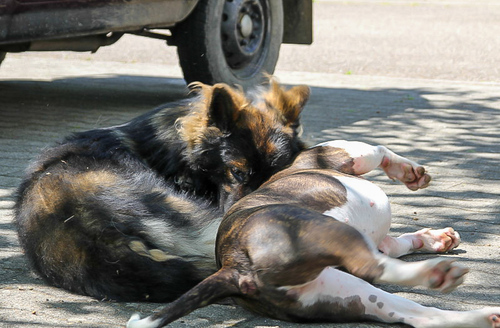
289, 102
222, 111
296, 99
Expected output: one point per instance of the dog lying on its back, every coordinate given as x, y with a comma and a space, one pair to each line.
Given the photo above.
130, 212
280, 248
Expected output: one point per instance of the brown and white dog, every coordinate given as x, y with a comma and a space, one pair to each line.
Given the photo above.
296, 248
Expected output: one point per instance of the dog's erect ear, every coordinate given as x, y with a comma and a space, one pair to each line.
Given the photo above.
296, 99
289, 102
222, 111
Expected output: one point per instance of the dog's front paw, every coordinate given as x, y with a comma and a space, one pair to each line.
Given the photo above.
437, 241
416, 178
410, 173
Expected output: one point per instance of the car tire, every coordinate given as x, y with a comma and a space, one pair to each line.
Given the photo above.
232, 41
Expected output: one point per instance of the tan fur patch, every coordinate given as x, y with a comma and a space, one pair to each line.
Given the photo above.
241, 164
260, 122
52, 189
154, 254
91, 181
61, 248
46, 196
288, 102
192, 126
179, 204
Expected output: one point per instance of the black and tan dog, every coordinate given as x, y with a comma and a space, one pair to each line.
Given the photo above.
281, 249
131, 212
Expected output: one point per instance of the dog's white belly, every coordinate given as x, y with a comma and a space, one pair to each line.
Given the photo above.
367, 208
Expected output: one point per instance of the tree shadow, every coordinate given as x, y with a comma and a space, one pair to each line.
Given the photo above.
452, 132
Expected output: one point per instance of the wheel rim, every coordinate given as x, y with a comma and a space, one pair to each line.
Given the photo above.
244, 31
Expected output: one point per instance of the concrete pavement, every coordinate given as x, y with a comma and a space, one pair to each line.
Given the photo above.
451, 127
432, 39
366, 49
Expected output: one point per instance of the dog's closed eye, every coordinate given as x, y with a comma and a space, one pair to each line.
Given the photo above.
238, 174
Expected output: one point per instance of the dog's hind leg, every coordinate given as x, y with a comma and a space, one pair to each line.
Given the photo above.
224, 283
338, 296
365, 158
424, 240
290, 245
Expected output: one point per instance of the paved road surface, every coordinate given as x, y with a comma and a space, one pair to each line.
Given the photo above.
434, 39
421, 78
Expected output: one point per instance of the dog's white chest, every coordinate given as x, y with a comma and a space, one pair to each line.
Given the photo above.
367, 208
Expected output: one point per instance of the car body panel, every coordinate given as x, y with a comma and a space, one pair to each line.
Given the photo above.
298, 21
30, 20
87, 25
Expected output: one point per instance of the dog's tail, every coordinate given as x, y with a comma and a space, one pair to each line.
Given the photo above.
224, 283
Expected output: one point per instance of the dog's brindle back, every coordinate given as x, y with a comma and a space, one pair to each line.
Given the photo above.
131, 212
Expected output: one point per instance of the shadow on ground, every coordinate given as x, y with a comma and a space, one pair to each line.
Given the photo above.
453, 132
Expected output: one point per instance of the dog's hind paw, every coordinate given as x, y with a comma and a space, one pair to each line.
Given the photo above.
484, 318
495, 320
445, 275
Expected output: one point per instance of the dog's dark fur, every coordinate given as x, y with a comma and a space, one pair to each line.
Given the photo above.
131, 212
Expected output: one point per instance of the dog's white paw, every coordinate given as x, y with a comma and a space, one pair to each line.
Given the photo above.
408, 172
483, 318
443, 274
135, 321
438, 241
